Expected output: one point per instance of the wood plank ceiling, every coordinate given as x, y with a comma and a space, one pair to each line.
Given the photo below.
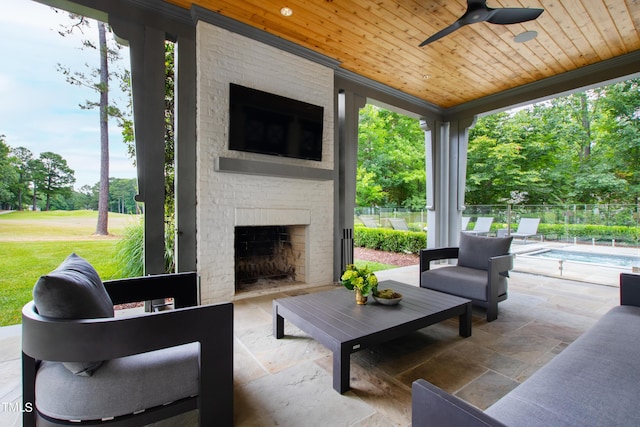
379, 39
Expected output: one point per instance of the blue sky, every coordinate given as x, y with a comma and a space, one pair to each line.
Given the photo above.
38, 108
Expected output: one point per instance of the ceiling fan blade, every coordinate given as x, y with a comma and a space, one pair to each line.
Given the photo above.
440, 34
513, 15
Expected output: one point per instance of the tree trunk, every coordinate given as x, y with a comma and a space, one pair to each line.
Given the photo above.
103, 198
586, 125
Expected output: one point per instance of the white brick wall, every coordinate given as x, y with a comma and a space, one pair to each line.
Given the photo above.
229, 199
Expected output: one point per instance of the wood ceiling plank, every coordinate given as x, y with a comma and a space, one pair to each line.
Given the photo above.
584, 24
461, 52
571, 32
600, 16
404, 52
633, 9
266, 19
622, 17
553, 38
379, 39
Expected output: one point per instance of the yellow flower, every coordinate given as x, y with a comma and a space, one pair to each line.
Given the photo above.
359, 278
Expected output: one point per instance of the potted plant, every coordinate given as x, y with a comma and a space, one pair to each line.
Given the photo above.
361, 280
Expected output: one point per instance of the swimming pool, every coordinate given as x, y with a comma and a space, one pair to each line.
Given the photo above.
588, 257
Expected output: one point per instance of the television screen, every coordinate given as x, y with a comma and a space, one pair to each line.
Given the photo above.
261, 122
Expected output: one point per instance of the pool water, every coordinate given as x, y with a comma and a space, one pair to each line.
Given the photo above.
593, 258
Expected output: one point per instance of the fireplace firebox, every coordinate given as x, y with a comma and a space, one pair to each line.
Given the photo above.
268, 254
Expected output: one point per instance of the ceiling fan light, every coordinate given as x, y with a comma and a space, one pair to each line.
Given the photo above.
525, 37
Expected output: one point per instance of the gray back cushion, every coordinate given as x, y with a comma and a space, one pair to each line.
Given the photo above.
475, 251
73, 291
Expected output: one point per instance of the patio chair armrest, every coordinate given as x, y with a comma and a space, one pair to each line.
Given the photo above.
432, 406
182, 287
501, 264
109, 338
630, 289
428, 255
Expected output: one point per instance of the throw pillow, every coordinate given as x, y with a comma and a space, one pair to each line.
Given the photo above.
73, 291
475, 251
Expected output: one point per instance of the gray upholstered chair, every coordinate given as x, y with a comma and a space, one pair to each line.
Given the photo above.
480, 275
81, 363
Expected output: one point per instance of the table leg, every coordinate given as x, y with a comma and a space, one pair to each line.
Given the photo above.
465, 321
341, 370
278, 322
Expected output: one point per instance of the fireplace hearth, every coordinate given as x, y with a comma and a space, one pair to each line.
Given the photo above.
267, 254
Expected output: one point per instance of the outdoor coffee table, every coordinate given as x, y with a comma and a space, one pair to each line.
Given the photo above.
335, 320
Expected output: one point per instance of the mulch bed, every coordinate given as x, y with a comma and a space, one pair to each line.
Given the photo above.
392, 258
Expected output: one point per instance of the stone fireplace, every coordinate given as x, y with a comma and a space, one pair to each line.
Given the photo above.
240, 190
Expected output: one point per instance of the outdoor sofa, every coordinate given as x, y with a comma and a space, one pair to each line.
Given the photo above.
595, 381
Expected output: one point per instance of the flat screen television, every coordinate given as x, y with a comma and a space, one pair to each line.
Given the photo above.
261, 122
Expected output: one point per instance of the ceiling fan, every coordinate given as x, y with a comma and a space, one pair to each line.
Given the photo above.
478, 11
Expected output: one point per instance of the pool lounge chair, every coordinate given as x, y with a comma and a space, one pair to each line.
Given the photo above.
527, 227
399, 224
369, 222
465, 222
483, 226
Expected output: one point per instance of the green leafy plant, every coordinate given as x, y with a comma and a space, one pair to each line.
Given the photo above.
385, 239
359, 278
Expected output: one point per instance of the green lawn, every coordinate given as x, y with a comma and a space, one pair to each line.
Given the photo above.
373, 266
34, 243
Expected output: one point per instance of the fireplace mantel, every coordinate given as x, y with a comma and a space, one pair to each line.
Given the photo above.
270, 216
256, 167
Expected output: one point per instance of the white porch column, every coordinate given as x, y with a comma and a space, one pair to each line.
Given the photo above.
446, 163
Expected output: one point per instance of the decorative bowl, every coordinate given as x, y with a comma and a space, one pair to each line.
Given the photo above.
387, 301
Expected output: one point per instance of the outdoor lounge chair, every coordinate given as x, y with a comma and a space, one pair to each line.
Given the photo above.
150, 366
481, 275
483, 226
465, 222
369, 222
399, 224
527, 227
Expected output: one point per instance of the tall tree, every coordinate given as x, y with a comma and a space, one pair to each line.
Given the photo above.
98, 80
391, 155
8, 174
54, 176
621, 132
102, 228
23, 157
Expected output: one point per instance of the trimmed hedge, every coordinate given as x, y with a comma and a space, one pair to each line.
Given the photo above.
386, 239
599, 232
603, 233
389, 240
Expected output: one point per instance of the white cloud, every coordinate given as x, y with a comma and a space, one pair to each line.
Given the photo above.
39, 109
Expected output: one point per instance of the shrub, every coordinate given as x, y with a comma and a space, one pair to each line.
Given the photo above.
130, 251
385, 239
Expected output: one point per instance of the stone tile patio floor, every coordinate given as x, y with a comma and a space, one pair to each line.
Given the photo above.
287, 382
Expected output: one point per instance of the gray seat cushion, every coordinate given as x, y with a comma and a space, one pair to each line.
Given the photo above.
475, 251
461, 281
121, 386
73, 291
593, 382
